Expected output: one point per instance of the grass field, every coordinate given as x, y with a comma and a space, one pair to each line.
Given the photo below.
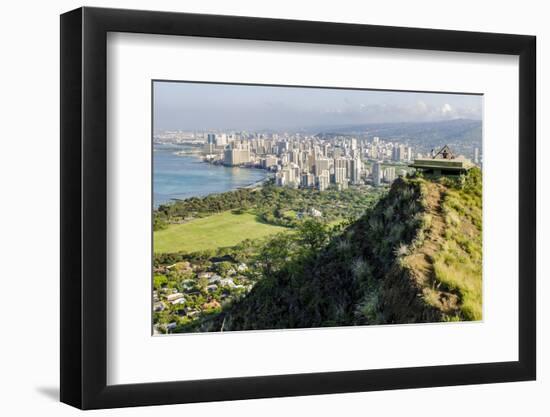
216, 231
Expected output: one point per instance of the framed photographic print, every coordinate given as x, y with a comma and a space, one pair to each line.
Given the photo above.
258, 207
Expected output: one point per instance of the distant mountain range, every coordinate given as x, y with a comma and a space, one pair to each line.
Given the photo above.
461, 134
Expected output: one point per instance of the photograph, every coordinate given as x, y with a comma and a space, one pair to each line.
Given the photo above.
292, 207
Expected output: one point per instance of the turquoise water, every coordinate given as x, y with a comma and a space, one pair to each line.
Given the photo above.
179, 177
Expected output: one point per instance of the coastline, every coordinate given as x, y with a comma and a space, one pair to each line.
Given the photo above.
257, 184
218, 163
252, 186
179, 175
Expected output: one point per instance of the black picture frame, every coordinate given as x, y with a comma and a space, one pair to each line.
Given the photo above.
84, 207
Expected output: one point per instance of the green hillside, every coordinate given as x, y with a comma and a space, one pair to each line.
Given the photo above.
413, 257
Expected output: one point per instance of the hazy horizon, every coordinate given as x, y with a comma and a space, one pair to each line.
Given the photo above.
206, 106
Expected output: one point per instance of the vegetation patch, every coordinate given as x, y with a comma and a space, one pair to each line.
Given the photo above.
458, 265
275, 205
212, 232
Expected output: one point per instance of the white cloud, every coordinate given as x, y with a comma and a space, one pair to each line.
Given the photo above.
447, 109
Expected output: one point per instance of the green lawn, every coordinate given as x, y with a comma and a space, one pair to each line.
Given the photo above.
216, 231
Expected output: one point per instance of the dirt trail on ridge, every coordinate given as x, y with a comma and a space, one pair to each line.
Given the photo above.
421, 261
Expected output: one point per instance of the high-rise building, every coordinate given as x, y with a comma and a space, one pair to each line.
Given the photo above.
337, 152
284, 159
355, 171
376, 174
282, 147
399, 153
296, 172
310, 162
280, 179
290, 174
321, 164
409, 154
323, 180
220, 139
269, 161
389, 174
395, 153
374, 152
340, 163
340, 175
236, 156
308, 180
286, 177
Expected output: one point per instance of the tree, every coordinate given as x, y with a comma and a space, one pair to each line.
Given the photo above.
159, 222
313, 234
223, 268
276, 252
159, 281
202, 283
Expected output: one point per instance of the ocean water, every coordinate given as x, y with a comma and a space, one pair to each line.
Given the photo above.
179, 177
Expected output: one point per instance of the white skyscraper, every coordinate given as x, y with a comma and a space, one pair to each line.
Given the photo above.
340, 175
236, 156
221, 139
409, 154
389, 174
323, 180
355, 171
321, 164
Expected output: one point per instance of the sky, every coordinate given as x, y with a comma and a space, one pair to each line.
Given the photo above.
201, 106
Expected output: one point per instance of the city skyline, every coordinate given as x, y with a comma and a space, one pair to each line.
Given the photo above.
309, 161
214, 106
